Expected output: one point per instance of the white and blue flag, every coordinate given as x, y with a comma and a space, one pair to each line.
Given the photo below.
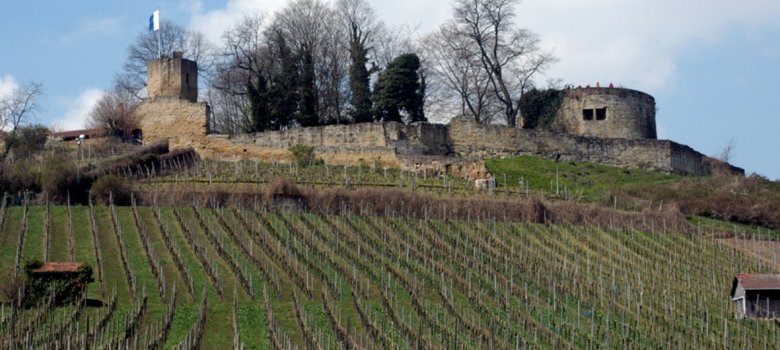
154, 21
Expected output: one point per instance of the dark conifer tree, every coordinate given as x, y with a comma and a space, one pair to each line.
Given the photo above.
307, 106
400, 88
259, 109
359, 77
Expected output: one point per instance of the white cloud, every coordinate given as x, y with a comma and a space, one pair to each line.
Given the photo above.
215, 22
92, 26
7, 86
427, 14
77, 110
632, 43
635, 43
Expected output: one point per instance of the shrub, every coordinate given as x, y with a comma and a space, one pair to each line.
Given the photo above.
303, 154
59, 178
64, 286
110, 187
539, 107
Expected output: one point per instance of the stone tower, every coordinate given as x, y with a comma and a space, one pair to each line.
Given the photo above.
608, 113
173, 77
172, 111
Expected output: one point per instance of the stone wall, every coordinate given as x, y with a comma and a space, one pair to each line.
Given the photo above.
181, 122
471, 140
625, 113
458, 148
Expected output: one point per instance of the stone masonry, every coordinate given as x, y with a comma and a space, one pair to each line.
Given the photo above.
624, 136
607, 113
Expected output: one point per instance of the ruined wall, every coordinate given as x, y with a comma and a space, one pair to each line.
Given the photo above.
471, 140
181, 122
457, 148
607, 113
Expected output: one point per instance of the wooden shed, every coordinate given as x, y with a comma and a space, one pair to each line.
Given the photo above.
756, 296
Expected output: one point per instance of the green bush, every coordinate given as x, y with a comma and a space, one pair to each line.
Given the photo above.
539, 107
66, 287
110, 188
303, 154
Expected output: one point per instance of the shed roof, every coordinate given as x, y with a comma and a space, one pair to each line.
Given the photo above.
756, 282
48, 267
72, 134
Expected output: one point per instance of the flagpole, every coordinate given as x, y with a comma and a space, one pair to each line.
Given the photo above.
159, 37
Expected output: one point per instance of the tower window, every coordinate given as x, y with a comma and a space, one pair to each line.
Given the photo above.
187, 78
601, 113
587, 114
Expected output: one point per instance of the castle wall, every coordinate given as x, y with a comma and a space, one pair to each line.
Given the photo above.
182, 123
471, 140
458, 147
608, 113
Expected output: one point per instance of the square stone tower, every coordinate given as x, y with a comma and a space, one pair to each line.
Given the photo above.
173, 77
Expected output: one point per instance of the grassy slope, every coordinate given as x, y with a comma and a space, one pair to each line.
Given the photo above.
591, 181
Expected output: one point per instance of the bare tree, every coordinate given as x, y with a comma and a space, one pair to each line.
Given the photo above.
242, 60
393, 41
173, 38
115, 112
455, 65
361, 26
510, 56
17, 109
310, 27
728, 151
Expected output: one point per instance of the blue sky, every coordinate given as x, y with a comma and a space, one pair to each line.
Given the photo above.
712, 65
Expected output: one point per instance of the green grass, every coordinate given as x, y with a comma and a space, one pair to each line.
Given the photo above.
58, 244
706, 225
591, 182
33, 241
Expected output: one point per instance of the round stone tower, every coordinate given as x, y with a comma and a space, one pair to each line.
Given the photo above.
608, 113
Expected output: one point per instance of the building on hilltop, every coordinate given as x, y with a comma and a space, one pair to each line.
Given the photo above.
607, 113
173, 77
172, 111
611, 126
756, 296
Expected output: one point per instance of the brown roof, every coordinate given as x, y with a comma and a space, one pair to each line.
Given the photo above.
758, 282
58, 267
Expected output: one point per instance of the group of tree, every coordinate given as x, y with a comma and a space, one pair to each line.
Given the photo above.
313, 64
318, 63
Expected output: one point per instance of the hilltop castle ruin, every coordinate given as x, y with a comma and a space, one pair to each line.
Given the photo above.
612, 126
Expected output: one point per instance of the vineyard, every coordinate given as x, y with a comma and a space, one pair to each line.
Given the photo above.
215, 278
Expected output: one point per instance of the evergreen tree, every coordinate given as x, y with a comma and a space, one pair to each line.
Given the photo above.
283, 95
400, 88
259, 109
307, 107
359, 77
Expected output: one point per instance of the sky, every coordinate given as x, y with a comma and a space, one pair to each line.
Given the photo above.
713, 66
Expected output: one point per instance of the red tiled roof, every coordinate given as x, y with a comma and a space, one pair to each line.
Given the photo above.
758, 282
58, 267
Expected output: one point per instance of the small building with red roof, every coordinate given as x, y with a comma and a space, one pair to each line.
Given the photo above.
756, 296
57, 268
